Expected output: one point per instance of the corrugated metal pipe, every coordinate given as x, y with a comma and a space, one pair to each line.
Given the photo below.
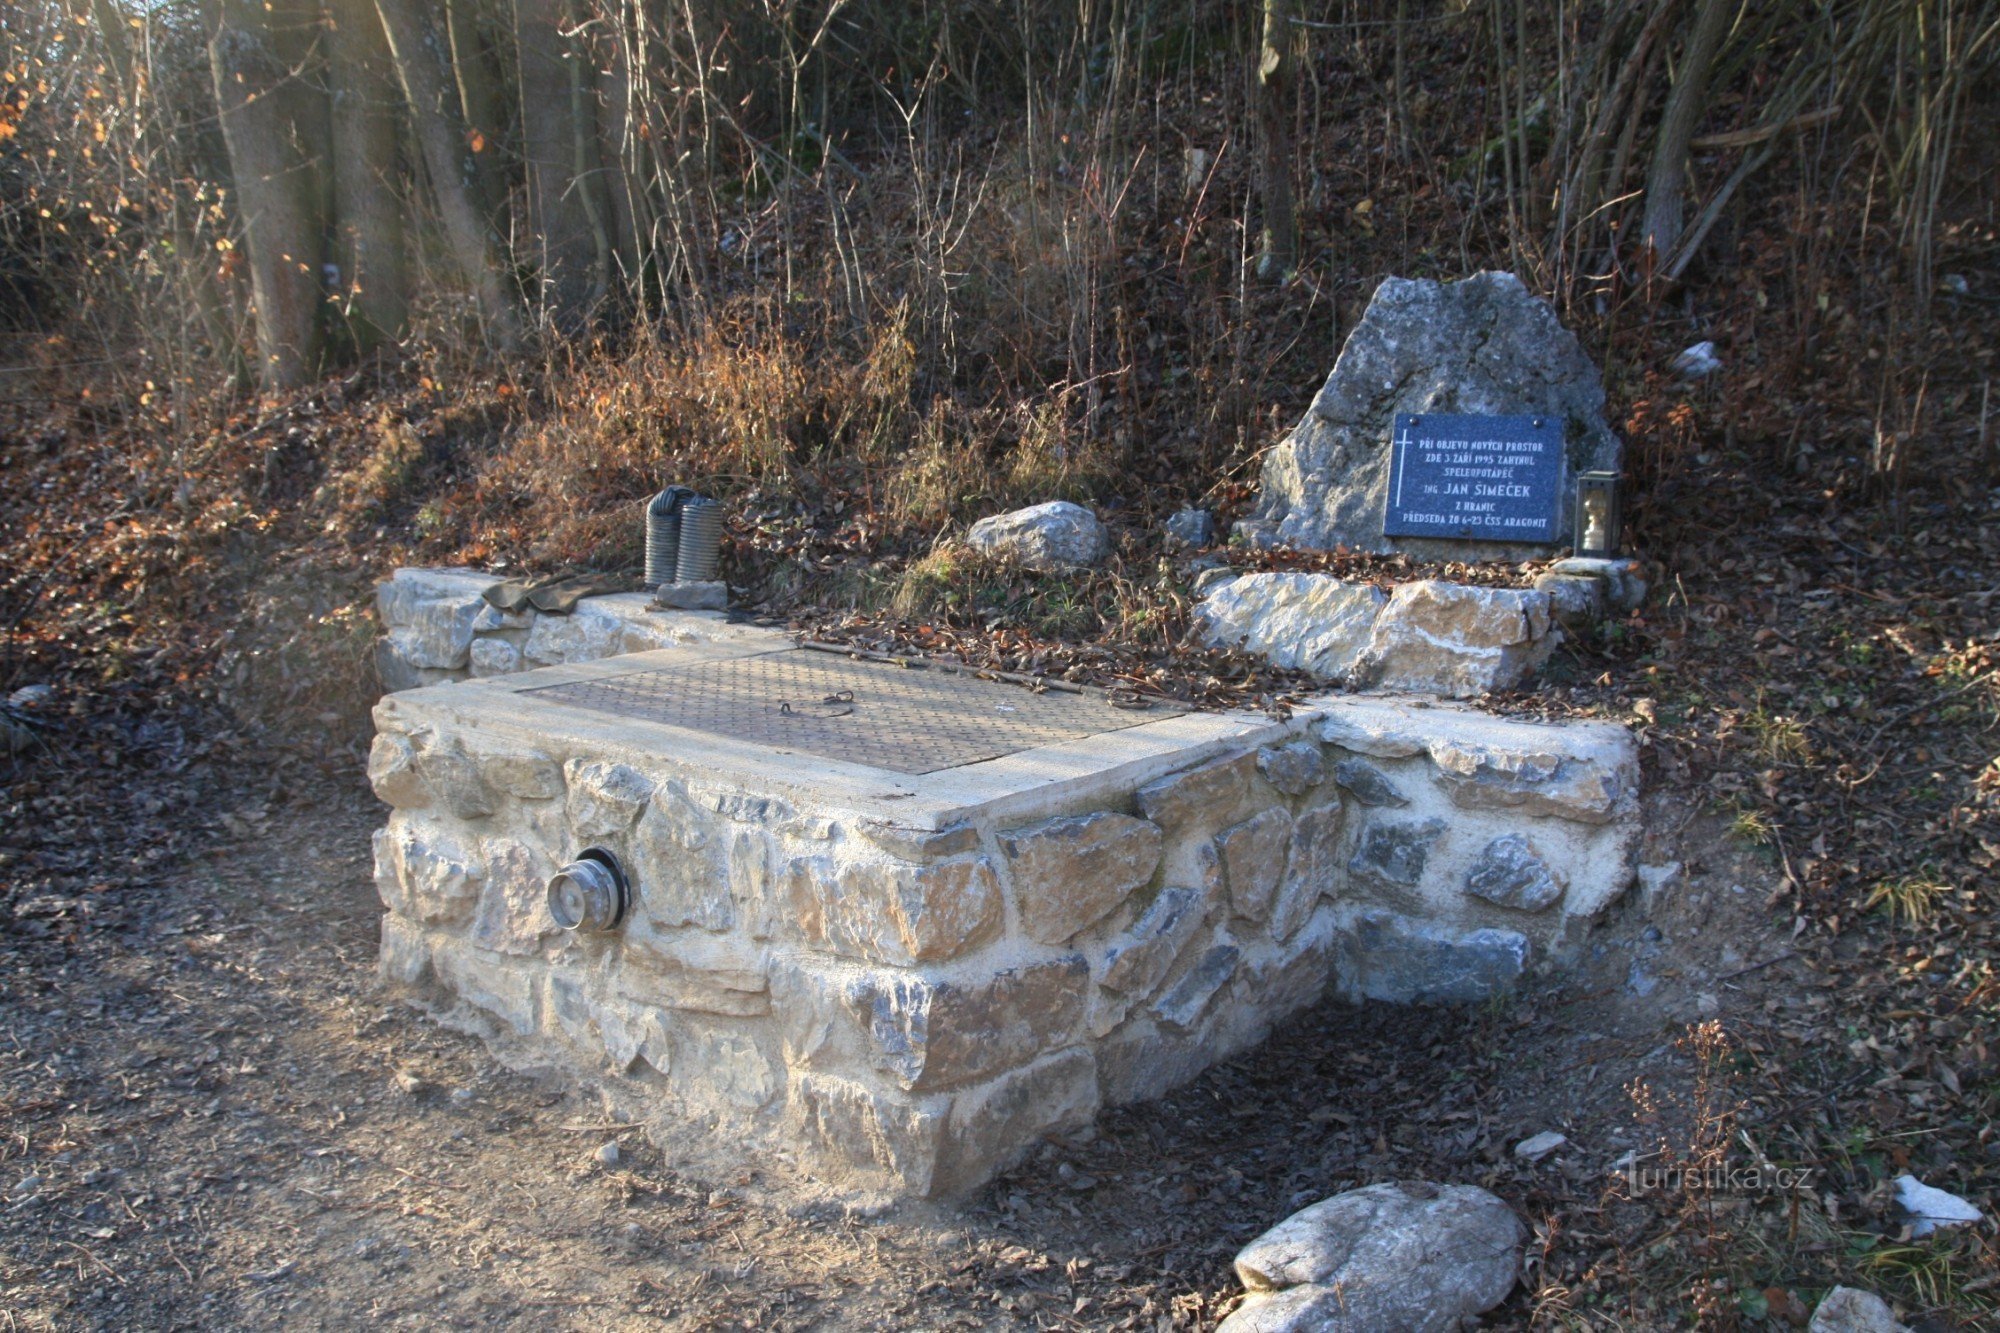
700, 541
663, 534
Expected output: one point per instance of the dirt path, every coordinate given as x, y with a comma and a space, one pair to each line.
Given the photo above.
213, 1119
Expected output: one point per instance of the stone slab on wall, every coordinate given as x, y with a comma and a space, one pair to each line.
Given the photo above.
438, 628
899, 986
1428, 636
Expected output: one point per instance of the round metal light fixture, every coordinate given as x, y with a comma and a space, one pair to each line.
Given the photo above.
588, 894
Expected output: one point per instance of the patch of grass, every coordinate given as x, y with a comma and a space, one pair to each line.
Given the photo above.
1778, 738
1911, 900
1753, 826
1930, 1271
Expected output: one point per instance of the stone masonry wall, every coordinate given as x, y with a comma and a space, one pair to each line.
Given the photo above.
903, 1011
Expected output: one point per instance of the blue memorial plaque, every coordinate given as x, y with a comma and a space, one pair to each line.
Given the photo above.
1476, 478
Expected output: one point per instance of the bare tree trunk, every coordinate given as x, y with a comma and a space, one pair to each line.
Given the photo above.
566, 196
611, 57
425, 72
1280, 253
1666, 180
477, 67
368, 242
274, 119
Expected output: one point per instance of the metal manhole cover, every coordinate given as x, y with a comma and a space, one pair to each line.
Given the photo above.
904, 719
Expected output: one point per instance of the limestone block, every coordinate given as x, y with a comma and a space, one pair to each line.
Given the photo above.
1136, 961
1183, 1004
1293, 769
1311, 622
1405, 1255
527, 775
1204, 797
513, 914
1583, 771
1312, 865
716, 1059
1511, 873
392, 772
1575, 770
745, 808
929, 1034
397, 673
1576, 601
405, 959
676, 875
712, 595
700, 973
1069, 873
1385, 958
584, 635
425, 875
437, 634
604, 799
494, 657
1252, 856
454, 779
502, 987
1140, 1061
1367, 784
845, 1122
1048, 537
1382, 728
1483, 345
909, 844
627, 1031
1624, 588
399, 598
992, 1127
893, 912
1395, 853
1281, 981
755, 885
1456, 639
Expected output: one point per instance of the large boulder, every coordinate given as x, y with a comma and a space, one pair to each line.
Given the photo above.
1404, 1257
1047, 538
1484, 345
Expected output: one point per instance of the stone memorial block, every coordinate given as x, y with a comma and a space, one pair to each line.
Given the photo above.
1482, 347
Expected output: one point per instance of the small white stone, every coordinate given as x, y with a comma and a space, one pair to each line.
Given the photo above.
461, 1096
1540, 1145
1851, 1310
1931, 1208
607, 1154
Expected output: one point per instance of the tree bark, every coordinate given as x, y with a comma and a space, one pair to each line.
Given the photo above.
1666, 179
439, 130
475, 63
567, 202
368, 242
611, 56
1280, 251
274, 119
